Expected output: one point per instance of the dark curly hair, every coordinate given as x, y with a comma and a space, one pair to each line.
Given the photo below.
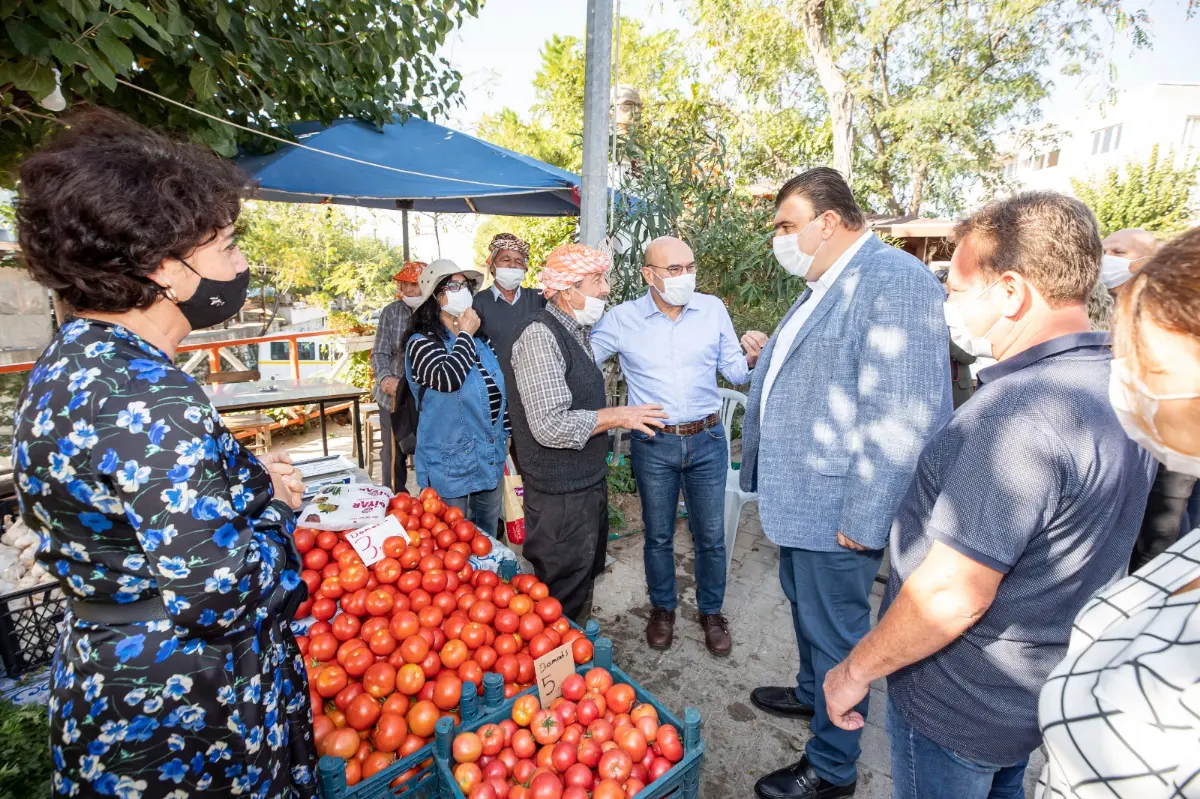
105, 201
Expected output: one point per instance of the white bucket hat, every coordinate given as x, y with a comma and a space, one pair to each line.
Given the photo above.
442, 268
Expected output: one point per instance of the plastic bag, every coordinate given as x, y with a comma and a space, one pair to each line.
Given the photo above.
514, 504
346, 507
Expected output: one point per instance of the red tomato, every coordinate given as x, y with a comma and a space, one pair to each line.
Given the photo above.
471, 672
327, 540
342, 700
526, 664
404, 624
410, 679
539, 645
305, 540
331, 680
668, 741
419, 598
546, 786
452, 516
620, 698
323, 648
414, 649
319, 628
547, 727
588, 751
379, 680
486, 657
550, 609
578, 775
345, 626
379, 603
382, 642
615, 764
304, 609
433, 505
632, 741
447, 691
430, 617
394, 546
422, 717
463, 530
573, 688
431, 665
353, 577
341, 743
598, 680
387, 571
362, 712
473, 634
358, 661
467, 747
563, 756
390, 732
581, 652
375, 763
316, 559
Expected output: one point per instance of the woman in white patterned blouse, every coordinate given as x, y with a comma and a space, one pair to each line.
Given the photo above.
1121, 714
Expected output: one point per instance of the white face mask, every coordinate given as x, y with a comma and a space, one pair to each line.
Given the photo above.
1114, 270
1132, 401
794, 260
960, 334
457, 302
593, 309
508, 278
412, 302
677, 291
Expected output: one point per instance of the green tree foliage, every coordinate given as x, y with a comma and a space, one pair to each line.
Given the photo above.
317, 253
263, 64
932, 85
1158, 194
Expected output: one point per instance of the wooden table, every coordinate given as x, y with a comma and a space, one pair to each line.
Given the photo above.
264, 394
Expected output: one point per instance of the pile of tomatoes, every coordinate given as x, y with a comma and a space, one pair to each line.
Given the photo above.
593, 741
393, 643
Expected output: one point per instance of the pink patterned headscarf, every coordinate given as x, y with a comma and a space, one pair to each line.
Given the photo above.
569, 264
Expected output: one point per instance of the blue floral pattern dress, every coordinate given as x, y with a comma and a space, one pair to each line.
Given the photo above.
138, 491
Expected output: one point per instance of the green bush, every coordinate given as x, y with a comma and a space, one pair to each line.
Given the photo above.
25, 763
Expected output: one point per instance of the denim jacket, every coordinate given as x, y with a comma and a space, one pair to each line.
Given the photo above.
460, 451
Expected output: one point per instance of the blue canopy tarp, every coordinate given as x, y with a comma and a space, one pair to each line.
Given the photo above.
454, 172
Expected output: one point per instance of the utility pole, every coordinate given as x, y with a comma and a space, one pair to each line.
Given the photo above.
593, 211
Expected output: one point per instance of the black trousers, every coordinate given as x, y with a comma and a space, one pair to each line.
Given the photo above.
566, 540
1166, 512
394, 461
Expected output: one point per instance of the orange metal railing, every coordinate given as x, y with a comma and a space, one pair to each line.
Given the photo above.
214, 350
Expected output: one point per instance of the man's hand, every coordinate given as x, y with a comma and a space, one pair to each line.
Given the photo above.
849, 543
752, 343
646, 418
389, 385
287, 482
842, 693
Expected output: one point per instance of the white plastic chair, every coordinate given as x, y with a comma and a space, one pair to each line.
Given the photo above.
735, 497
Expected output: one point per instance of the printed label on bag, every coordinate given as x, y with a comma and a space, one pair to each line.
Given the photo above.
368, 541
550, 670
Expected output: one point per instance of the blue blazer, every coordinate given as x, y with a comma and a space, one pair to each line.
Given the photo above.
864, 387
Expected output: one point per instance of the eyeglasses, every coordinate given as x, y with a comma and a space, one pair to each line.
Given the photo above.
457, 285
675, 270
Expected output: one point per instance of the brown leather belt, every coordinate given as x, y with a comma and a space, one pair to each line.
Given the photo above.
691, 428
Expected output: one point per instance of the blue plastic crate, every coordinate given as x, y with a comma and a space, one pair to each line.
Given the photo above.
425, 784
681, 781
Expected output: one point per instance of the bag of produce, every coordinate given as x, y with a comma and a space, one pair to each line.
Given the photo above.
346, 507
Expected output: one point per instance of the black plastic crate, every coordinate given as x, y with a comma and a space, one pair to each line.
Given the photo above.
30, 621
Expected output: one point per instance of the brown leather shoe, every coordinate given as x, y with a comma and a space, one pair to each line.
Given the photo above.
661, 628
716, 634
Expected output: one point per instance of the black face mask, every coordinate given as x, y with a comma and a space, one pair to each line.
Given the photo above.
214, 301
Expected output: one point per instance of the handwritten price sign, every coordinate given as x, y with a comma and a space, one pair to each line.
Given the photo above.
550, 670
368, 541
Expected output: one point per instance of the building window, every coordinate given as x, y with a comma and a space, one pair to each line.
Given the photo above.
1106, 139
1010, 169
279, 351
308, 350
1052, 159
1191, 132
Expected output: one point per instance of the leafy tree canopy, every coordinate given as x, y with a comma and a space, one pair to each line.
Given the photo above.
261, 64
1157, 195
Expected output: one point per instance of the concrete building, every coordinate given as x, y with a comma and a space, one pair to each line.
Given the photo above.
1163, 114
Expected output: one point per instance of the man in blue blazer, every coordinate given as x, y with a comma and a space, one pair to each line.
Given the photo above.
847, 391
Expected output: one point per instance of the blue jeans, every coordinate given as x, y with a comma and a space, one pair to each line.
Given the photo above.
831, 612
924, 769
483, 508
698, 463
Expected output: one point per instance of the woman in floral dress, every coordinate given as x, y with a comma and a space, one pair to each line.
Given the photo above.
177, 674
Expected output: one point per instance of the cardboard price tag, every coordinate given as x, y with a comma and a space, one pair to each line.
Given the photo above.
368, 541
550, 670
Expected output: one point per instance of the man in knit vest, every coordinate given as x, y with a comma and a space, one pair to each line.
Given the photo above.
505, 305
558, 419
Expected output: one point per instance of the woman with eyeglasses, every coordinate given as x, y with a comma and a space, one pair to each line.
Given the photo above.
1120, 715
462, 428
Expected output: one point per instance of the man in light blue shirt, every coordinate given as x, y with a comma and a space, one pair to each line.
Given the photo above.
671, 342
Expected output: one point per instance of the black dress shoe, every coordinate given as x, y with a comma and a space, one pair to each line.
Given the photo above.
780, 702
799, 781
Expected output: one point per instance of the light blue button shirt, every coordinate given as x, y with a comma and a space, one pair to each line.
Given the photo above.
673, 363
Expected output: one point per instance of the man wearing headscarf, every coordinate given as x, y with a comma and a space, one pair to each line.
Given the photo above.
505, 305
559, 420
397, 409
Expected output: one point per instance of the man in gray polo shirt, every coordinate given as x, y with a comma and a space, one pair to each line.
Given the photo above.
1024, 505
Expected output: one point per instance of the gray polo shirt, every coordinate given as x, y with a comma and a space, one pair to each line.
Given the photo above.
1033, 477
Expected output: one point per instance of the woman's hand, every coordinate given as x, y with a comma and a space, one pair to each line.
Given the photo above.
468, 321
287, 482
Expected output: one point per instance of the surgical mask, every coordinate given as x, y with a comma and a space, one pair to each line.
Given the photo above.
1132, 401
593, 309
508, 278
960, 334
677, 291
794, 260
214, 301
1114, 271
413, 302
457, 302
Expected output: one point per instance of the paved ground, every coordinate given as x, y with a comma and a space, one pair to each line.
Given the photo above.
742, 742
